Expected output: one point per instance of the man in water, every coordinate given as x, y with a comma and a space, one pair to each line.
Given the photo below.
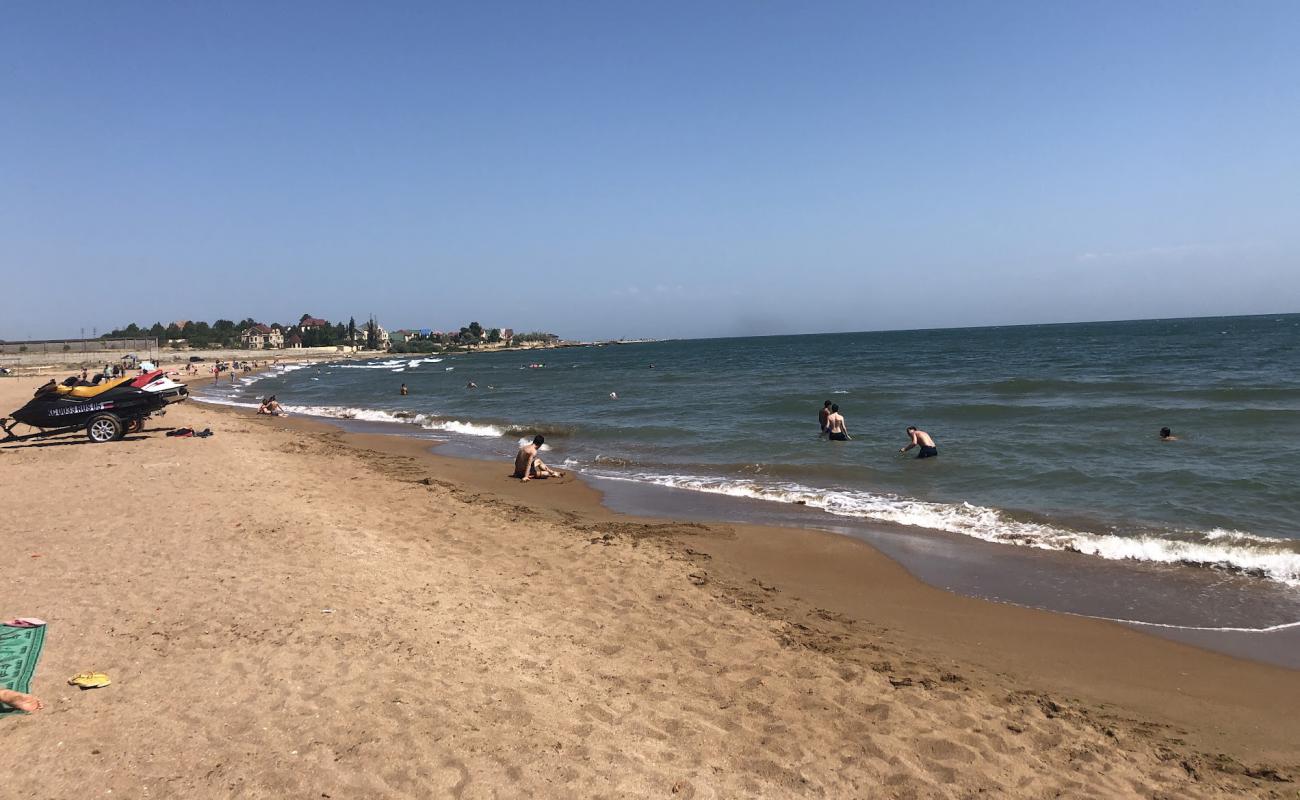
1167, 435
529, 466
404, 391
824, 414
920, 439
836, 430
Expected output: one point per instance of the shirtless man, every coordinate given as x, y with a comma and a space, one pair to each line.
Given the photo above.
271, 406
20, 701
824, 414
836, 430
920, 439
529, 466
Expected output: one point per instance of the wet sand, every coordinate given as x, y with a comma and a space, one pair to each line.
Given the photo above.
287, 609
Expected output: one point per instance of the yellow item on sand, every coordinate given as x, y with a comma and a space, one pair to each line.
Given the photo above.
89, 680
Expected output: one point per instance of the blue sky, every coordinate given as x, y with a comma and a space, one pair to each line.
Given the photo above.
611, 169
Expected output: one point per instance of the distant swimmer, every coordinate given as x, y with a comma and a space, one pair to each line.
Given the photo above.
920, 439
1167, 435
471, 385
529, 466
836, 430
824, 415
404, 391
613, 395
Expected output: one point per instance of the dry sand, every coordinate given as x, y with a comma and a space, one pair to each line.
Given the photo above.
290, 611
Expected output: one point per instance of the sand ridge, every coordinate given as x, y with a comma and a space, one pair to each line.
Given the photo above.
285, 613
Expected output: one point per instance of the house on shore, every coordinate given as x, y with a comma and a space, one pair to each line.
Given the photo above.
262, 337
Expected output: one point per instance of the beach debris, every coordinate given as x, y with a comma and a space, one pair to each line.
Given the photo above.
1051, 709
23, 622
699, 578
90, 680
898, 683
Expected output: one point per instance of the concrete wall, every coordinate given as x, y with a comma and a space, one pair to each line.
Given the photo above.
35, 363
68, 347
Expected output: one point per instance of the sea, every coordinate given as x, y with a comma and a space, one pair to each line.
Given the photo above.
1052, 488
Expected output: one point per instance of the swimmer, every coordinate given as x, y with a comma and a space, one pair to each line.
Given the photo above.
920, 439
1167, 435
836, 430
403, 391
613, 395
471, 385
823, 415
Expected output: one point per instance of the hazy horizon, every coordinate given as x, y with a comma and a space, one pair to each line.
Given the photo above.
668, 172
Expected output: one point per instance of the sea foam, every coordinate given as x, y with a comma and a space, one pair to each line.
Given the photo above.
1261, 556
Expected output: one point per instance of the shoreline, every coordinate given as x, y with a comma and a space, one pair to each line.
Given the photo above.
358, 524
819, 568
1253, 620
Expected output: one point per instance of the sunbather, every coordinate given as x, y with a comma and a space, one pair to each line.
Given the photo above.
20, 701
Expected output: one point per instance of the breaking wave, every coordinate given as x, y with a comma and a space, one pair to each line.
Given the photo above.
1234, 551
426, 421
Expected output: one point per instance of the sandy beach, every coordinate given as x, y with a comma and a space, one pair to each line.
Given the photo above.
288, 610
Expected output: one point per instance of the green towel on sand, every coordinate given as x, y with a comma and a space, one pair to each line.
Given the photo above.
20, 649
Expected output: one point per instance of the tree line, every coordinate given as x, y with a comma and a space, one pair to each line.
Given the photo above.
226, 333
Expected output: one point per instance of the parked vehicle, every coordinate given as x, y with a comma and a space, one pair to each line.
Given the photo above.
106, 408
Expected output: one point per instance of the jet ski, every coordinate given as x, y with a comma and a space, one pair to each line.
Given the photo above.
157, 382
107, 409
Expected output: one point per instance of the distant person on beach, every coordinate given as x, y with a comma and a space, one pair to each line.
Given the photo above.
836, 430
920, 439
824, 415
529, 466
20, 701
1167, 435
404, 391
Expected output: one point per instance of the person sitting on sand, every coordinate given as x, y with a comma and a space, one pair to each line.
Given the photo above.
528, 465
271, 406
836, 430
1167, 435
824, 415
920, 439
20, 701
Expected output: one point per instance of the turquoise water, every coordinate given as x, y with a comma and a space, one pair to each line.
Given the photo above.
1047, 434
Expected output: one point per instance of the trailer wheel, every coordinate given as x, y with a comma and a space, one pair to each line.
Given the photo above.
105, 428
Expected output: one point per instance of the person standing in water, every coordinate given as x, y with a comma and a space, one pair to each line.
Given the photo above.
404, 391
824, 414
920, 439
836, 430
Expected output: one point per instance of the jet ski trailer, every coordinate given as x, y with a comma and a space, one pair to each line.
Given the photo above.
106, 410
